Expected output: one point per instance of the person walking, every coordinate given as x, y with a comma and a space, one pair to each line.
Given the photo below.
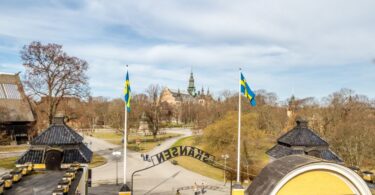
202, 188
195, 188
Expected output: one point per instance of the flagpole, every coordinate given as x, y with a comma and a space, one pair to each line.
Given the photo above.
239, 130
125, 136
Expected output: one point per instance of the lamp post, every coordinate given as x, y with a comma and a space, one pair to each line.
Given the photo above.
117, 155
225, 157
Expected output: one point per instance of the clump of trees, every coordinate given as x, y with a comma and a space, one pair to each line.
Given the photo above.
345, 119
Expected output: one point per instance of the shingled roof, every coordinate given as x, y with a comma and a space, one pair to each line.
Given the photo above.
301, 135
81, 155
33, 156
302, 140
279, 151
58, 134
14, 104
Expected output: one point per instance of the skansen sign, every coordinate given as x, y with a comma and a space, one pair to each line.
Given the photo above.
182, 151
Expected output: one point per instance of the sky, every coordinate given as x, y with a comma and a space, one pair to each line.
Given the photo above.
300, 47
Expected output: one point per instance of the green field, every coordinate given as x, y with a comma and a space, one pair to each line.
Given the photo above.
8, 163
97, 160
202, 168
16, 148
196, 165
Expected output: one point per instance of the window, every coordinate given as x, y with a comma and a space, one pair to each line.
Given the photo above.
11, 91
2, 93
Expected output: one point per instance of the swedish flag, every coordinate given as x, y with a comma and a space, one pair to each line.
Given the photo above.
127, 91
245, 89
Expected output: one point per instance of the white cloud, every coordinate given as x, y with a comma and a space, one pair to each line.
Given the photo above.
161, 40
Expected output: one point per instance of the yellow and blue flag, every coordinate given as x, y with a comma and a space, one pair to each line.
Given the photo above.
127, 91
245, 89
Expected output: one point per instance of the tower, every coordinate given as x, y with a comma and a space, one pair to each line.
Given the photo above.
191, 87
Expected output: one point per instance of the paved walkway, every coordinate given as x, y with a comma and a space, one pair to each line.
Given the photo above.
40, 184
163, 179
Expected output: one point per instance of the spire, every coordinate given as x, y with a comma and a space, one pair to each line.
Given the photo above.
208, 91
191, 87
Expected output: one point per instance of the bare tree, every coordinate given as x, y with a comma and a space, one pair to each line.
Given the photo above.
153, 111
53, 75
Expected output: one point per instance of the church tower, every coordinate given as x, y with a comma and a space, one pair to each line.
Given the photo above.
191, 87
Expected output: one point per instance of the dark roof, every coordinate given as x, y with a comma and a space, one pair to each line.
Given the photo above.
81, 155
302, 140
57, 134
279, 151
67, 140
180, 95
86, 152
268, 178
329, 155
301, 135
14, 104
33, 156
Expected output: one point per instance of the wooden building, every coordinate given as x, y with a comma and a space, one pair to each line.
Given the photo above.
16, 115
57, 147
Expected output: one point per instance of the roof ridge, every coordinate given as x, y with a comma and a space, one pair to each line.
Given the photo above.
74, 133
82, 153
297, 134
66, 135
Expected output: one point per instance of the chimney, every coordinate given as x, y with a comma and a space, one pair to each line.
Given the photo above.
301, 123
58, 119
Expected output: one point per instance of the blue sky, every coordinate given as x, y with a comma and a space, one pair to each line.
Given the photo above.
311, 48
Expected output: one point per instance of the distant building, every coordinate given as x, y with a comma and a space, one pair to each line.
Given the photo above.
16, 114
176, 97
57, 147
302, 140
172, 100
191, 87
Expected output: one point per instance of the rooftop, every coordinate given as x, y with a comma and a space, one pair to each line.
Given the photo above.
302, 140
57, 134
301, 135
14, 104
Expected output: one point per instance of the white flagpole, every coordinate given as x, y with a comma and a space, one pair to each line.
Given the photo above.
239, 131
125, 134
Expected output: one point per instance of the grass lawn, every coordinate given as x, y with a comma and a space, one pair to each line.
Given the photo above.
195, 165
8, 163
146, 143
14, 148
114, 138
97, 160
